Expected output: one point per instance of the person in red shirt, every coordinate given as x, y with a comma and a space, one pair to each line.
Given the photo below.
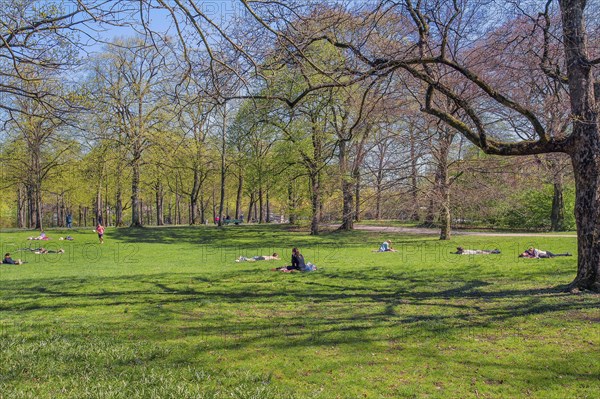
100, 231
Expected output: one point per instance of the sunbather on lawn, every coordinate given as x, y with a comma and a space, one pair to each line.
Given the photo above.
534, 253
462, 251
298, 264
275, 256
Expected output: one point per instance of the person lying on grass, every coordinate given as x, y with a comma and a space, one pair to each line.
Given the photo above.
10, 261
42, 250
275, 256
534, 253
462, 251
298, 264
386, 246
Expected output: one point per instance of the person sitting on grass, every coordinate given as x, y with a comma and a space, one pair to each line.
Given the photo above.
386, 246
462, 251
42, 236
10, 261
534, 253
298, 264
275, 256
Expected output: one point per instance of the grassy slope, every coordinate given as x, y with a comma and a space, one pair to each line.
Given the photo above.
167, 313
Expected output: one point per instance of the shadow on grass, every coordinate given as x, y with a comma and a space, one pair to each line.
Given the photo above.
407, 314
253, 235
333, 303
199, 234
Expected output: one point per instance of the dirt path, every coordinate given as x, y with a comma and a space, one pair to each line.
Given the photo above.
426, 231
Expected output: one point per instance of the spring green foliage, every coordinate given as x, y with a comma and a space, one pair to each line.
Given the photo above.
530, 209
167, 313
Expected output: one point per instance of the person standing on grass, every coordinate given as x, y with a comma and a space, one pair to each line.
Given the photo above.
100, 231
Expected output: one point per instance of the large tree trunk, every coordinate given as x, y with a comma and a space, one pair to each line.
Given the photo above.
586, 164
585, 148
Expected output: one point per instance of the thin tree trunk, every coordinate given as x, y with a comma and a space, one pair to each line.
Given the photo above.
160, 220
223, 171
98, 206
38, 206
194, 197
444, 188
291, 203
21, 207
252, 200
557, 217
177, 202
214, 205
261, 213
202, 208
413, 177
238, 199
430, 216
268, 215
357, 197
119, 207
106, 206
136, 211
315, 200
379, 187
347, 194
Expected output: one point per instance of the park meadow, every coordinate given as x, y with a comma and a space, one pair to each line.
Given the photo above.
168, 313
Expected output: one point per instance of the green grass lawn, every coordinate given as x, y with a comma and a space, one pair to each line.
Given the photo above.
167, 313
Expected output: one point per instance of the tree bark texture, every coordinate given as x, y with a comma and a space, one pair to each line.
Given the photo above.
585, 145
